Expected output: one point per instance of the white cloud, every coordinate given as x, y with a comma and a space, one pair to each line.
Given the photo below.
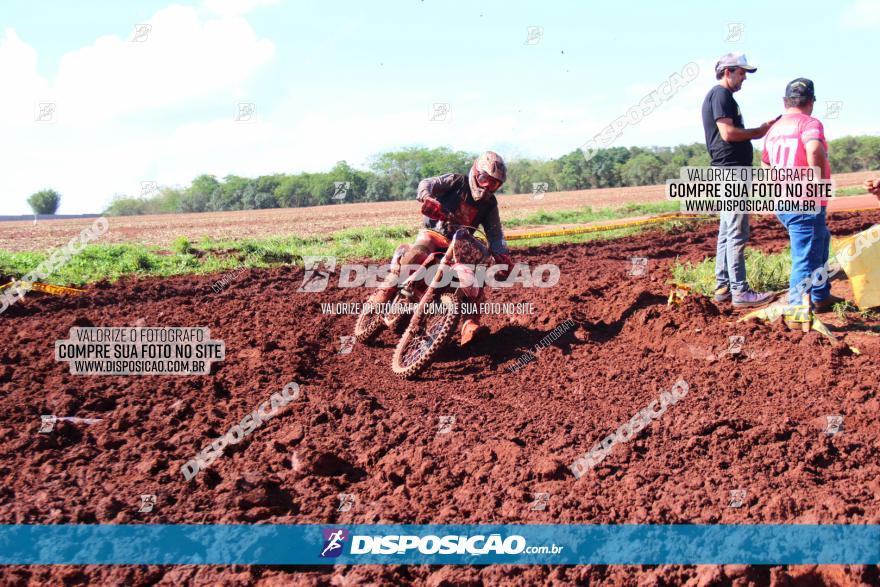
180, 59
861, 14
98, 142
22, 87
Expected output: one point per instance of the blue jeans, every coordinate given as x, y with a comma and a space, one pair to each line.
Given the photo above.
730, 257
810, 238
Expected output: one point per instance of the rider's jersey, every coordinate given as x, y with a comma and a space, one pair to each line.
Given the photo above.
454, 194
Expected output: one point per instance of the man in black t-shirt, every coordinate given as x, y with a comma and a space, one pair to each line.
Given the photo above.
729, 144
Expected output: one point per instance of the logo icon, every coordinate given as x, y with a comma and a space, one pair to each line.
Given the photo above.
737, 498
45, 112
340, 188
439, 112
539, 188
47, 424
346, 502
833, 108
148, 188
735, 32
317, 273
333, 540
835, 424
148, 502
534, 34
445, 424
735, 344
141, 33
639, 267
540, 502
245, 112
346, 344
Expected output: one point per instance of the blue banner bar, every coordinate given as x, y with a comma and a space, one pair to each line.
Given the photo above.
175, 544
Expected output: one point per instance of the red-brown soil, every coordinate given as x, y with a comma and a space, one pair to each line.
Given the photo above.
753, 421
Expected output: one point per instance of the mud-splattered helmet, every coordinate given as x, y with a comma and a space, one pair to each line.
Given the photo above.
487, 175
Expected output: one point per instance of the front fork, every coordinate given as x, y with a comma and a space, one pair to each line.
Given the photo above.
432, 287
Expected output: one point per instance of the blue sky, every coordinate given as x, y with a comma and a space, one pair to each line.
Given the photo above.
345, 80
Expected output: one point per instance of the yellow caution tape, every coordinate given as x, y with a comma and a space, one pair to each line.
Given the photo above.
800, 314
678, 294
607, 226
55, 290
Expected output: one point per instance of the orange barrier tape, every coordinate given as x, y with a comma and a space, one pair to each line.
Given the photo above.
613, 225
55, 290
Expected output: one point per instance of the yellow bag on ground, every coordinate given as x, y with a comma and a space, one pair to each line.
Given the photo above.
859, 257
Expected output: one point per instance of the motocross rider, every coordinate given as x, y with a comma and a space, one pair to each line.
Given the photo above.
467, 201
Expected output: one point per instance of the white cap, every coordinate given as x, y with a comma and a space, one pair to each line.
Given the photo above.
734, 60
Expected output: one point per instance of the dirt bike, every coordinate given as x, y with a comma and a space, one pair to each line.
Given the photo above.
433, 322
394, 314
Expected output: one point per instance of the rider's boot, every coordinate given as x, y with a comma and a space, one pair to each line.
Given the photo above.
402, 256
472, 330
385, 292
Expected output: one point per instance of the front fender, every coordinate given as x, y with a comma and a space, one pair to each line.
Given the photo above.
467, 279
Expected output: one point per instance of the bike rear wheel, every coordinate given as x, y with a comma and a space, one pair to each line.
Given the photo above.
369, 323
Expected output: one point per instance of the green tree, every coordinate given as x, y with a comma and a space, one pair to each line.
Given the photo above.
166, 201
356, 180
122, 205
45, 202
522, 174
198, 196
854, 154
378, 188
229, 194
293, 191
571, 172
603, 169
406, 168
643, 169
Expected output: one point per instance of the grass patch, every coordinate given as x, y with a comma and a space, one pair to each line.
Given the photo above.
589, 214
843, 309
764, 272
840, 309
851, 191
111, 261
578, 238
182, 246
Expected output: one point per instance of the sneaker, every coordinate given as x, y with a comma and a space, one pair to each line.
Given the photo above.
722, 293
827, 303
751, 299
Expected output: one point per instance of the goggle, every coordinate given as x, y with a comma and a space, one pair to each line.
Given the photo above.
487, 182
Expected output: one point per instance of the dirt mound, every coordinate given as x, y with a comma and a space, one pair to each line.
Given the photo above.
470, 442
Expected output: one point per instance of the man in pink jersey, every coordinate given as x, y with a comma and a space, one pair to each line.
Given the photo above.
798, 140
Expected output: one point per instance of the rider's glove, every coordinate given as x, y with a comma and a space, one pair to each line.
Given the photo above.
507, 263
433, 209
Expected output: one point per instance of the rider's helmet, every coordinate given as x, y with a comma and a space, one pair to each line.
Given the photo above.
487, 174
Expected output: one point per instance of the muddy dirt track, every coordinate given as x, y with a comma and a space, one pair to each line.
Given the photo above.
753, 420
